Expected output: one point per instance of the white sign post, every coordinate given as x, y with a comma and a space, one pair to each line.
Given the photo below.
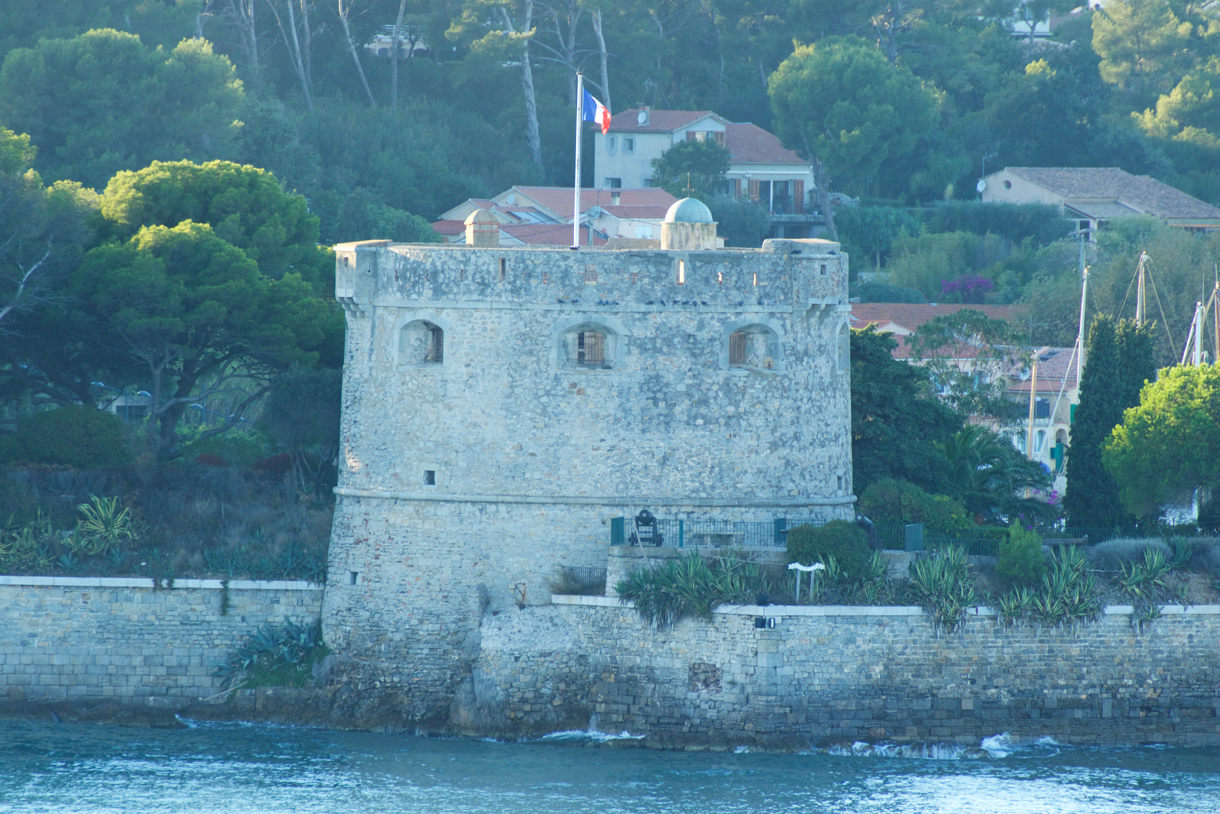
798, 568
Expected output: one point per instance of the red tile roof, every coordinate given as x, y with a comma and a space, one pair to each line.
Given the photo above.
749, 143
559, 199
449, 227
909, 316
659, 121
550, 234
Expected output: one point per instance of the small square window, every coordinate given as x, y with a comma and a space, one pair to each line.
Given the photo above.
610, 143
429, 477
353, 577
628, 145
824, 269
614, 183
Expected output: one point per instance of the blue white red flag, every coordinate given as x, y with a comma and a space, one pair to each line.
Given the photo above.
595, 111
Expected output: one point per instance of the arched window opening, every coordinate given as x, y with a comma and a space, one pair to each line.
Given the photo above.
843, 355
1039, 440
753, 346
589, 348
421, 342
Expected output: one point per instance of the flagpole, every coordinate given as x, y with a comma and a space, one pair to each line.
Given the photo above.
580, 116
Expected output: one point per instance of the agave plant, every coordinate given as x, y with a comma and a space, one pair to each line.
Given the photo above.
1016, 605
1068, 593
104, 525
944, 587
1145, 581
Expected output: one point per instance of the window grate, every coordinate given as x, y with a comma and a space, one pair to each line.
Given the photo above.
737, 348
590, 349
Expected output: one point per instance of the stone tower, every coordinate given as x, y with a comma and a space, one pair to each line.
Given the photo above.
501, 406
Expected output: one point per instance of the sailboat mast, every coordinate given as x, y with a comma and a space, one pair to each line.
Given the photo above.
1084, 289
1139, 290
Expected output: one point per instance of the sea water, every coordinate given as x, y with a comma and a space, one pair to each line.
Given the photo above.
49, 767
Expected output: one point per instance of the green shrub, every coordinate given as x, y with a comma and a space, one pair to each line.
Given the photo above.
80, 437
1021, 560
688, 586
846, 542
899, 501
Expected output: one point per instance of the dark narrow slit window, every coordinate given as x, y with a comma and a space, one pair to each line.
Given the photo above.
429, 477
503, 268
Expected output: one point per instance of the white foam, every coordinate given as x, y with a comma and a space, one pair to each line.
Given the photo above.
919, 749
1001, 745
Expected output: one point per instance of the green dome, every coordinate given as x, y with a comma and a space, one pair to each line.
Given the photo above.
688, 210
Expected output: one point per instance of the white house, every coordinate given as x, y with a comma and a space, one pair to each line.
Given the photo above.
760, 168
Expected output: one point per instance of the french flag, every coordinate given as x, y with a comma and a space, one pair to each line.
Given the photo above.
595, 111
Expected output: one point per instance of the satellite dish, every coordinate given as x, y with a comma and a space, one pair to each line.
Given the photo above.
981, 185
642, 118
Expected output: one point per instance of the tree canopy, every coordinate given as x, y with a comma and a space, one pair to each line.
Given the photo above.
1169, 445
691, 169
186, 305
1118, 362
843, 102
244, 205
897, 422
103, 102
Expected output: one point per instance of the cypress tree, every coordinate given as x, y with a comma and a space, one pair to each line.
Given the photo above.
1136, 364
1092, 494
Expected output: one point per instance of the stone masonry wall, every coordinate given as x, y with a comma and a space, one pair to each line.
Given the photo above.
468, 477
842, 674
67, 638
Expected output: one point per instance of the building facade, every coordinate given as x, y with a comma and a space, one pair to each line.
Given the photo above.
501, 407
761, 169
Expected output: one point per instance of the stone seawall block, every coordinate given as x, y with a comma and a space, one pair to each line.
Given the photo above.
120, 638
851, 674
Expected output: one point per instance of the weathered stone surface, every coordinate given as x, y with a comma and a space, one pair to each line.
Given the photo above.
469, 476
858, 676
144, 646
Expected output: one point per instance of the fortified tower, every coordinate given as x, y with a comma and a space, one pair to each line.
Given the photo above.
501, 406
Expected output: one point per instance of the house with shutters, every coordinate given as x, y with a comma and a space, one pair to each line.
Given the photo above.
761, 169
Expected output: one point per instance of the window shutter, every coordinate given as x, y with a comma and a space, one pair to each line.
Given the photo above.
753, 189
719, 136
798, 197
690, 135
736, 187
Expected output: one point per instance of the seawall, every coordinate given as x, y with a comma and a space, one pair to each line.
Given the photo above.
821, 674
841, 674
74, 638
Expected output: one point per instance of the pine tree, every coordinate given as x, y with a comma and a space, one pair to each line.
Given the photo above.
1092, 494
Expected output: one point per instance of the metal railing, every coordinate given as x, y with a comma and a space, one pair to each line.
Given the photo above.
696, 534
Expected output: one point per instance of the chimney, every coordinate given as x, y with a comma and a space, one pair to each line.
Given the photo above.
482, 230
